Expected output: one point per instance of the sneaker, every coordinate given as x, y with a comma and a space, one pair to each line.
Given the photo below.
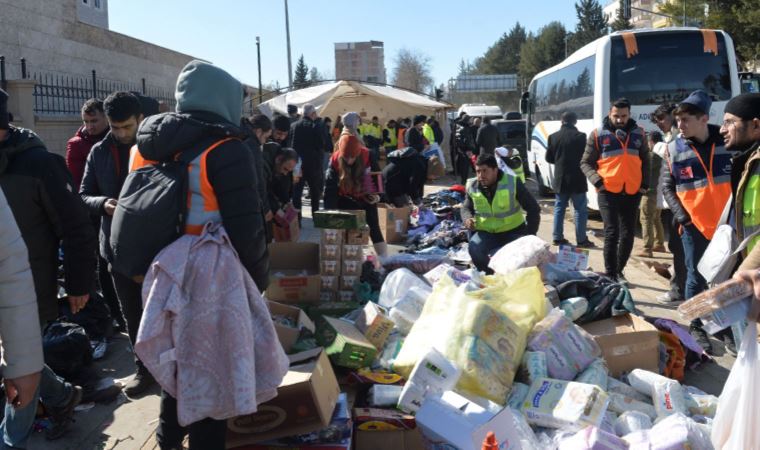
559, 242
62, 416
729, 343
667, 299
644, 254
586, 244
702, 339
142, 381
620, 278
659, 249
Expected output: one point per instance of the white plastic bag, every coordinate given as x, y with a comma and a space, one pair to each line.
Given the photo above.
397, 284
526, 251
736, 425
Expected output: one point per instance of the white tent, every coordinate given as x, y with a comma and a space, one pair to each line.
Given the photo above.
339, 97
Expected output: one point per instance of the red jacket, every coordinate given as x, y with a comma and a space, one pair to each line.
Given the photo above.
77, 150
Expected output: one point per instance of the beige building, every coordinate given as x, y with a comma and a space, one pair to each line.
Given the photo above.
639, 19
361, 61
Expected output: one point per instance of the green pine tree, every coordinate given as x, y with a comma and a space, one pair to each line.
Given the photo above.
621, 23
301, 76
592, 23
503, 56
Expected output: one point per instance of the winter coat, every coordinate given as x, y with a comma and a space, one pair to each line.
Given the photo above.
50, 216
332, 181
415, 139
565, 151
19, 326
487, 138
104, 174
279, 187
230, 173
404, 173
465, 140
77, 150
307, 139
590, 159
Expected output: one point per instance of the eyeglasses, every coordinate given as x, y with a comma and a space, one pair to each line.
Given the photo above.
730, 123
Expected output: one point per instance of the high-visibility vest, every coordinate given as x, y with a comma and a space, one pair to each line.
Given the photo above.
703, 187
503, 213
371, 130
392, 136
202, 205
428, 133
619, 162
751, 208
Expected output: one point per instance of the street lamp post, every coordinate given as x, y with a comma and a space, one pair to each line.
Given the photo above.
287, 36
258, 57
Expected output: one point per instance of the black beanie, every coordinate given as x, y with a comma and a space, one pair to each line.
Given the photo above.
419, 119
281, 123
744, 106
4, 118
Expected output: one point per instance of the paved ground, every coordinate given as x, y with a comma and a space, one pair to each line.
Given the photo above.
130, 424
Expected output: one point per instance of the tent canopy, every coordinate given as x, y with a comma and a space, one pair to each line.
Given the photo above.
340, 97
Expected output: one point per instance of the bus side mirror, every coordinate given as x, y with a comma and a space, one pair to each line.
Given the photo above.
525, 103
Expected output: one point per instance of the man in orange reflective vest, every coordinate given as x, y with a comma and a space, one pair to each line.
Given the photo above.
696, 185
614, 161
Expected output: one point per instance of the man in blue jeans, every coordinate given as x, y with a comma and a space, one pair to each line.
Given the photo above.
565, 150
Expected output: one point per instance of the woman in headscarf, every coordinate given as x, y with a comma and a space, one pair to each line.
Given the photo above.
348, 184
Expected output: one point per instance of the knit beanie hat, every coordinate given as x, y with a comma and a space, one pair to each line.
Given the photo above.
744, 106
418, 119
4, 119
351, 121
700, 99
281, 123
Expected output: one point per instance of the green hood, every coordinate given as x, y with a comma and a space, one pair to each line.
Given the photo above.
204, 87
19, 140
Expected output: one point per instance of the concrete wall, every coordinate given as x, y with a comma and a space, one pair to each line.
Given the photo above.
93, 12
50, 35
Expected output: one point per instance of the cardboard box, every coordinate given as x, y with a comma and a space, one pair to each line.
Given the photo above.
452, 420
329, 268
330, 283
289, 335
352, 267
340, 219
378, 419
332, 308
394, 222
332, 237
285, 228
384, 440
305, 402
344, 344
293, 272
330, 252
347, 282
357, 237
628, 342
346, 296
374, 323
353, 253
327, 296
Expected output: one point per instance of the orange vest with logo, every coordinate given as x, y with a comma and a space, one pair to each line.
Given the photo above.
619, 162
202, 205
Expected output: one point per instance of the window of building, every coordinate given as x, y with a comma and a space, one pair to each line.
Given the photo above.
86, 2
97, 4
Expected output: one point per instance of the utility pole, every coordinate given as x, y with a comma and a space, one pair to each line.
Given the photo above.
258, 56
287, 35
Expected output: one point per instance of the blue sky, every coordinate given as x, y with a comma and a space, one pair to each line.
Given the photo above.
224, 31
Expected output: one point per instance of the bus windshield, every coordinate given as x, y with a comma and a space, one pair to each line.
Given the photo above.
668, 67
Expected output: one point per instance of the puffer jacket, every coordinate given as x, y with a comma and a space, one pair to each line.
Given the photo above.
50, 215
77, 150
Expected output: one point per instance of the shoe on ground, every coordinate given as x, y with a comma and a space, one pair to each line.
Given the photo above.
644, 254
729, 343
702, 339
62, 416
560, 242
620, 278
586, 244
659, 249
667, 299
142, 381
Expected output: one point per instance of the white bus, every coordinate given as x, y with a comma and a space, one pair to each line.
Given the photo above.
648, 66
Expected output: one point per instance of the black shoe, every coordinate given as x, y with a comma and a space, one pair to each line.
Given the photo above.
620, 278
142, 381
702, 339
729, 343
586, 244
62, 416
560, 242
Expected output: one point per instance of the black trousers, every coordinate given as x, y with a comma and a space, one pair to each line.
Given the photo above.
314, 177
206, 434
675, 246
463, 167
619, 216
107, 290
372, 218
130, 296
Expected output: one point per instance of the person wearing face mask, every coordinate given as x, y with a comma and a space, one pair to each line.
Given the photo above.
615, 161
348, 184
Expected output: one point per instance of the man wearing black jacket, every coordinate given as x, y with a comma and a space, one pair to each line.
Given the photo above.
307, 138
465, 147
50, 216
487, 138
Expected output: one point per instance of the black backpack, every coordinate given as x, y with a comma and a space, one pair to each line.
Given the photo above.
151, 213
66, 347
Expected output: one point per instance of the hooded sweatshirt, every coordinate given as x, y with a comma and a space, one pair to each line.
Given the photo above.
210, 105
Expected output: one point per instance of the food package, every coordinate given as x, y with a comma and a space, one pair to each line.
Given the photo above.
679, 432
346, 296
527, 251
384, 394
433, 374
617, 386
357, 237
574, 307
330, 252
620, 403
351, 267
669, 398
608, 423
569, 349
719, 297
596, 373
593, 438
332, 237
517, 395
327, 296
410, 305
564, 404
330, 268
643, 380
347, 282
533, 367
397, 283
330, 283
353, 252
632, 421
485, 372
700, 403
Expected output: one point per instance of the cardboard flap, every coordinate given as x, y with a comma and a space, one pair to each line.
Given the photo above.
305, 356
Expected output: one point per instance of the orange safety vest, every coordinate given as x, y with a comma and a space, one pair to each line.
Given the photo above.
703, 190
400, 134
202, 205
619, 162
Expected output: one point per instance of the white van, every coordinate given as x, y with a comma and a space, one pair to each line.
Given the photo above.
481, 110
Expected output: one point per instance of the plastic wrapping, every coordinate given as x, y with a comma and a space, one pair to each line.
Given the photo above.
533, 366
632, 421
620, 404
527, 251
569, 349
669, 398
574, 307
525, 435
417, 263
564, 404
679, 432
596, 374
396, 284
617, 386
643, 380
391, 348
593, 438
517, 395
384, 394
715, 298
638, 440
608, 423
700, 403
409, 307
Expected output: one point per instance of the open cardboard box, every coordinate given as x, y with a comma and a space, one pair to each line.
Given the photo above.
393, 222
289, 335
298, 265
628, 342
305, 402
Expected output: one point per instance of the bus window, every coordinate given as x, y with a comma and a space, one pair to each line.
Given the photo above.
568, 89
668, 68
